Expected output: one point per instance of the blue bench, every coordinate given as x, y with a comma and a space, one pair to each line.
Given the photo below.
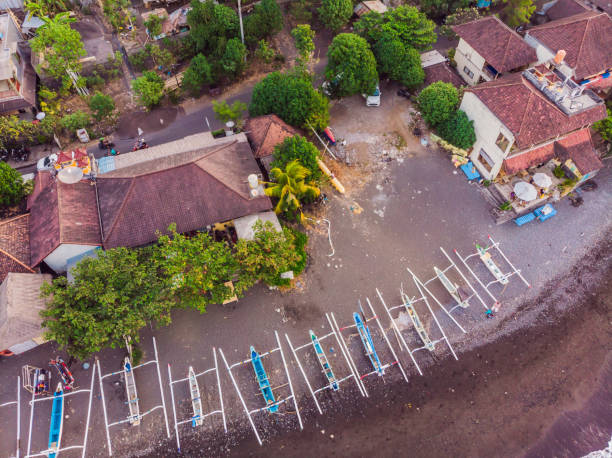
525, 219
545, 212
470, 171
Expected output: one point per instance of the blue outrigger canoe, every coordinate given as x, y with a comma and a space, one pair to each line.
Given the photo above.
264, 382
57, 417
327, 370
368, 344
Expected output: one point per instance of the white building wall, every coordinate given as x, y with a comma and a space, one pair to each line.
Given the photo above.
466, 56
487, 128
57, 260
544, 54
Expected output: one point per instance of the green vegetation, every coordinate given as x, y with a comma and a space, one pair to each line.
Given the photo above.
303, 36
198, 74
264, 51
233, 112
290, 187
101, 105
77, 120
458, 130
335, 14
441, 8
398, 62
149, 88
61, 47
351, 66
233, 60
506, 206
116, 12
604, 127
438, 102
559, 172
460, 16
49, 8
266, 20
301, 10
518, 12
154, 25
297, 147
291, 97
11, 185
211, 26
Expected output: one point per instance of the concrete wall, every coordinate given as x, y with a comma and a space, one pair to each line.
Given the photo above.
57, 260
487, 127
466, 56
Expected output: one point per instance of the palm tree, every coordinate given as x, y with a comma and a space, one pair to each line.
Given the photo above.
290, 187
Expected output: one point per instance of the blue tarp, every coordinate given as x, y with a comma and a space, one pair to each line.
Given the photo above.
106, 164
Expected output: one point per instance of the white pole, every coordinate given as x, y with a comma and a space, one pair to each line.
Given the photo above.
220, 392
509, 263
91, 388
241, 398
304, 374
465, 279
322, 142
399, 363
240, 17
346, 359
161, 388
476, 277
297, 409
31, 417
178, 443
18, 415
108, 440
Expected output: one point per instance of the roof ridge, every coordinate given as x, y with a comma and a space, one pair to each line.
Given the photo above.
506, 50
119, 211
270, 119
223, 183
16, 260
59, 216
584, 34
9, 220
527, 105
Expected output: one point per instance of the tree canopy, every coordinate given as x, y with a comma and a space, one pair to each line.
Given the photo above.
351, 66
11, 185
292, 97
460, 16
112, 297
335, 14
304, 40
101, 106
197, 75
61, 47
438, 102
266, 20
149, 88
518, 12
398, 62
297, 147
233, 60
441, 8
210, 26
290, 187
458, 130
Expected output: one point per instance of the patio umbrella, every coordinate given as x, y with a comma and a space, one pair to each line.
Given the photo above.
525, 191
542, 180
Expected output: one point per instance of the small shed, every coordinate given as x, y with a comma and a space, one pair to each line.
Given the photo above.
368, 6
20, 306
264, 133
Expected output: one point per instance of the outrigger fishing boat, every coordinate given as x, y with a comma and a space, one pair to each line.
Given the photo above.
486, 258
452, 288
416, 322
64, 372
368, 344
132, 394
196, 401
327, 370
57, 421
264, 382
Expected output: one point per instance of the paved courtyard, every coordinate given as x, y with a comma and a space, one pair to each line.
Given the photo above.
402, 205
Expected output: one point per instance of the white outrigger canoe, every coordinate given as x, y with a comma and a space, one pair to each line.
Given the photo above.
416, 322
486, 258
132, 394
452, 288
196, 401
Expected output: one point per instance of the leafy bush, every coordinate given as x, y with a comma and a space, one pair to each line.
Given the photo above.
438, 102
301, 10
210, 27
400, 63
297, 147
264, 51
149, 88
304, 40
197, 75
441, 8
233, 58
95, 81
225, 112
77, 120
266, 20
101, 106
559, 172
460, 16
335, 14
458, 130
291, 97
161, 56
299, 242
116, 13
351, 66
518, 12
11, 185
154, 25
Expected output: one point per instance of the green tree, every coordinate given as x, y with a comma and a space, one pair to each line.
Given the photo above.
197, 75
291, 97
264, 51
233, 112
438, 102
116, 12
154, 25
197, 267
210, 26
233, 58
303, 36
266, 20
112, 297
369, 26
335, 14
74, 121
42, 8
398, 62
297, 147
149, 88
604, 127
458, 130
290, 188
269, 254
351, 66
460, 16
61, 47
441, 8
11, 185
518, 12
161, 56
101, 105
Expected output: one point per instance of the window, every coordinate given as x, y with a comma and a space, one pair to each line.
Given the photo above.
468, 72
485, 160
502, 142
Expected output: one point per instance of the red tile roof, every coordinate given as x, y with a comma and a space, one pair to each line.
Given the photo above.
499, 45
62, 213
442, 72
586, 39
527, 113
576, 146
565, 8
138, 202
265, 132
14, 246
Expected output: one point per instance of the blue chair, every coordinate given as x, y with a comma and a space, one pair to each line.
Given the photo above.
545, 212
525, 219
470, 171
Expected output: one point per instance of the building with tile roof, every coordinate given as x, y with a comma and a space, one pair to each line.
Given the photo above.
14, 246
487, 48
437, 68
560, 9
264, 133
584, 37
517, 118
